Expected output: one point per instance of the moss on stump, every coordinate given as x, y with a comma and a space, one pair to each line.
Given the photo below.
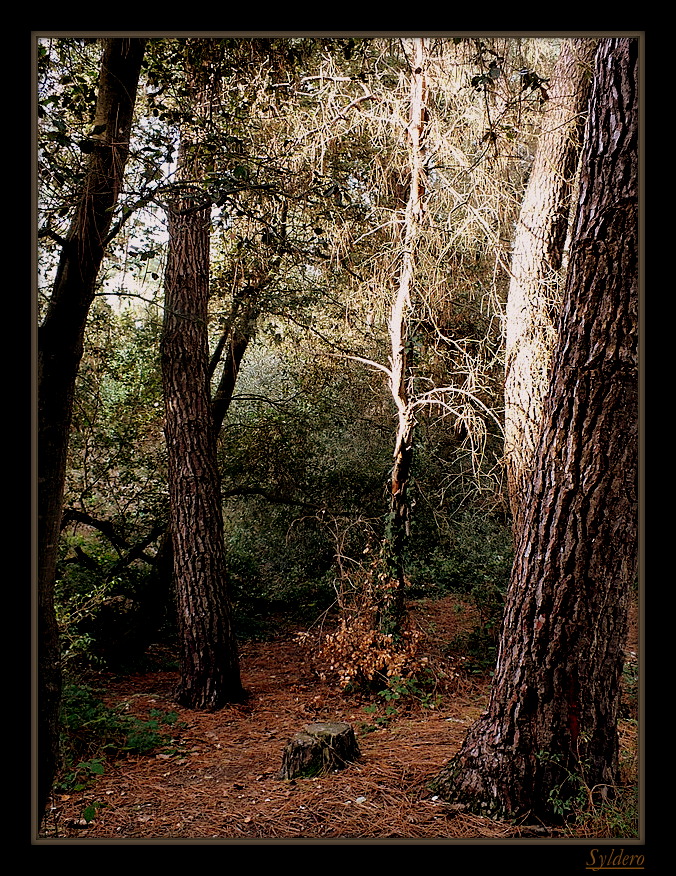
319, 749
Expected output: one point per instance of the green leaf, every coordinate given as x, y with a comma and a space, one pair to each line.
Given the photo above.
89, 813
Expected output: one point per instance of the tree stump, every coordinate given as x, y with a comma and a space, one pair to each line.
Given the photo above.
319, 749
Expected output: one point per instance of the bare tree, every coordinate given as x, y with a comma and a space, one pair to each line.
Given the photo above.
400, 373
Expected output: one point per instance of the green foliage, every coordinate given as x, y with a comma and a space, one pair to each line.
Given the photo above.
74, 606
630, 685
104, 621
398, 695
472, 557
420, 687
89, 812
571, 792
93, 732
116, 477
81, 775
617, 816
611, 812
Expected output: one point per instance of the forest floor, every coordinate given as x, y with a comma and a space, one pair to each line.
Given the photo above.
217, 778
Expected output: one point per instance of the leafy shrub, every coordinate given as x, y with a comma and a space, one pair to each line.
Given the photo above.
103, 621
477, 548
91, 732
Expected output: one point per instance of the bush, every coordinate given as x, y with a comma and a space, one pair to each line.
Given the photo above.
104, 621
92, 732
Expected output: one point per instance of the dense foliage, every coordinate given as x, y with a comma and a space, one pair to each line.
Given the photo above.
306, 177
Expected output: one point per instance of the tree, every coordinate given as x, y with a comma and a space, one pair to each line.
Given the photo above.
209, 663
60, 347
534, 298
401, 358
551, 721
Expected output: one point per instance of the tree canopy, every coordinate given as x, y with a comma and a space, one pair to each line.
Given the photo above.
290, 336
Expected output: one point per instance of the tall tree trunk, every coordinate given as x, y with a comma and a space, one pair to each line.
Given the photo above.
552, 716
60, 347
401, 365
209, 663
534, 298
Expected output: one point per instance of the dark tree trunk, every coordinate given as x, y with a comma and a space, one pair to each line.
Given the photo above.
552, 717
208, 651
230, 350
209, 663
534, 299
233, 346
60, 346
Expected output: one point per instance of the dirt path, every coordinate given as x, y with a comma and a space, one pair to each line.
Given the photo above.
219, 778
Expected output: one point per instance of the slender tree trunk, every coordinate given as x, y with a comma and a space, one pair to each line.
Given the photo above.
60, 347
401, 364
551, 722
534, 299
231, 349
209, 662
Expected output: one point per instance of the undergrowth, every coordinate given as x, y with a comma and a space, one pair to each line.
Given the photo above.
92, 732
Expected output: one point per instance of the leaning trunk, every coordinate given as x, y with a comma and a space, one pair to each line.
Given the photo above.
60, 347
550, 730
534, 298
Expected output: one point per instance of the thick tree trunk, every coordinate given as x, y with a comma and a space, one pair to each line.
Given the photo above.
551, 722
534, 298
60, 346
209, 663
208, 652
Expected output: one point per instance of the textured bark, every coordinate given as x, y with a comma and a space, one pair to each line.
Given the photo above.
60, 346
554, 702
534, 297
319, 749
209, 663
208, 651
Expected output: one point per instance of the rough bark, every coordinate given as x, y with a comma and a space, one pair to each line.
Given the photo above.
534, 298
319, 749
551, 722
60, 347
209, 663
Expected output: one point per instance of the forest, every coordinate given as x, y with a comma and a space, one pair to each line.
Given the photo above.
337, 438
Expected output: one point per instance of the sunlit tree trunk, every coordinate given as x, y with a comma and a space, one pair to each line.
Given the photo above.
534, 297
60, 347
551, 722
401, 364
209, 662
